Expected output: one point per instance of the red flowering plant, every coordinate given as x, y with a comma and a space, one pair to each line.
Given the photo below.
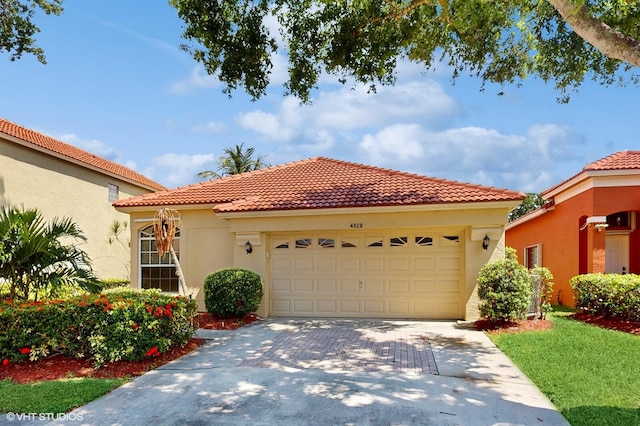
113, 326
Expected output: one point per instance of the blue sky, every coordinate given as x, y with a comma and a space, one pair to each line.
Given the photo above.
117, 84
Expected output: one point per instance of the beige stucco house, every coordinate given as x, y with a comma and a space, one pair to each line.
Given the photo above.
64, 181
331, 239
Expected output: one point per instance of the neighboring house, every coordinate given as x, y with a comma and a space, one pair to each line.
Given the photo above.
37, 171
331, 239
587, 225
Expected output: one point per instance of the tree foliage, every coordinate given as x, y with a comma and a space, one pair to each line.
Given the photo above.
237, 160
17, 30
500, 41
532, 202
35, 255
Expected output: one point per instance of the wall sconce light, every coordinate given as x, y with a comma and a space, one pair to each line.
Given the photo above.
485, 241
248, 247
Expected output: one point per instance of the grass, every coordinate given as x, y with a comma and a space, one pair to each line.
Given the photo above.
56, 396
592, 375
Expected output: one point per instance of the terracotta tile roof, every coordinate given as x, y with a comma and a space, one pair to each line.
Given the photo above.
321, 183
623, 160
65, 150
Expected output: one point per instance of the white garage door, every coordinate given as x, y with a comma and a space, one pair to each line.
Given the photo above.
395, 274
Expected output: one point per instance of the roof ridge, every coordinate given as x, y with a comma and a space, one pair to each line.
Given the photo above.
66, 150
418, 176
602, 164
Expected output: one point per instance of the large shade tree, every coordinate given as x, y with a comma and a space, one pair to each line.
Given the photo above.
235, 161
500, 41
36, 256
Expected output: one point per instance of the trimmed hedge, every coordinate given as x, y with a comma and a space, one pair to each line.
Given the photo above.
504, 289
112, 326
232, 292
611, 295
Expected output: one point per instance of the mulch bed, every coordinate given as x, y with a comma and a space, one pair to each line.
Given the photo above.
60, 367
632, 327
537, 325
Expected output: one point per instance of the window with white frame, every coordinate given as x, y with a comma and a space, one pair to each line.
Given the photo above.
157, 271
533, 256
114, 193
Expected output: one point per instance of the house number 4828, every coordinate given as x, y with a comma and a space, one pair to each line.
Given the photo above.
356, 225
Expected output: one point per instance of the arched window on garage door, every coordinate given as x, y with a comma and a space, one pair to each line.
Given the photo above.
155, 271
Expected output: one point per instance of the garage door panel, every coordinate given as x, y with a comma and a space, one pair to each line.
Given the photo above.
399, 285
374, 264
373, 307
424, 263
349, 307
424, 286
280, 307
325, 284
350, 285
328, 264
349, 264
374, 285
280, 264
399, 264
448, 286
326, 306
396, 275
302, 264
451, 263
303, 285
399, 308
281, 285
303, 306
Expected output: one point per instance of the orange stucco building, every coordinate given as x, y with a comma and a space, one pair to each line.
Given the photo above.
588, 224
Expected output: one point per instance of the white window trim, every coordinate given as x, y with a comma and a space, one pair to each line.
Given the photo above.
160, 265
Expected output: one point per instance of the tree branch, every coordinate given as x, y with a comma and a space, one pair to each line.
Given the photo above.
609, 41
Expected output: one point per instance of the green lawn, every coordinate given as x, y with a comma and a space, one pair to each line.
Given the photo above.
56, 396
592, 375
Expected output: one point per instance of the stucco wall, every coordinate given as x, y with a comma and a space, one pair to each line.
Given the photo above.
58, 188
558, 231
210, 242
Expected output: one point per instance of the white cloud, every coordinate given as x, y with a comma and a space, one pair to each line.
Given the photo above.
198, 79
210, 127
179, 169
348, 110
93, 146
472, 154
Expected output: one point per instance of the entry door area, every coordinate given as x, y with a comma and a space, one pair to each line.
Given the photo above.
394, 274
617, 254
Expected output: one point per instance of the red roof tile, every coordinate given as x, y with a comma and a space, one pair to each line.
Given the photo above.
321, 183
73, 153
623, 160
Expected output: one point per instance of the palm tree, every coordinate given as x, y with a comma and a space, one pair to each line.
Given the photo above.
33, 256
235, 161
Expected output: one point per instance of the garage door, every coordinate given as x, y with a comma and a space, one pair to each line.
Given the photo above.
395, 274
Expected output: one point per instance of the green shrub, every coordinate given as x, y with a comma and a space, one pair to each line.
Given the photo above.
232, 292
504, 289
113, 326
109, 283
612, 295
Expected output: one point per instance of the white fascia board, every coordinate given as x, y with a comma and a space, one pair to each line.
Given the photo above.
378, 209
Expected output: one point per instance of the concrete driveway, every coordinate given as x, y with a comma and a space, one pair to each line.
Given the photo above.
331, 372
